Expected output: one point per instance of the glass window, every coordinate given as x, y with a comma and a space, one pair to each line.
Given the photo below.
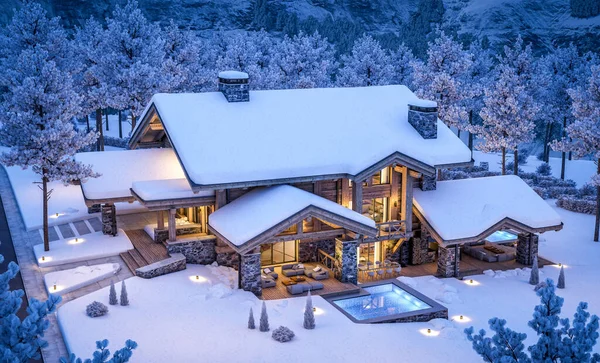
376, 209
382, 177
369, 253
278, 253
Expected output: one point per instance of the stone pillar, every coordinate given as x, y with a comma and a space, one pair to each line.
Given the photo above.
249, 273
95, 208
404, 253
345, 252
448, 261
109, 219
172, 225
527, 248
428, 182
406, 206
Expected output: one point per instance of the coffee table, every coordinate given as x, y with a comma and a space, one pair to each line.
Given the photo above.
288, 282
297, 278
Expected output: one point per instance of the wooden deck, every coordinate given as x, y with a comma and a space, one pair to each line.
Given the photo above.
331, 285
468, 266
145, 251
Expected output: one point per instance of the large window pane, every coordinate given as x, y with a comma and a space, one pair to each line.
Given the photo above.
278, 253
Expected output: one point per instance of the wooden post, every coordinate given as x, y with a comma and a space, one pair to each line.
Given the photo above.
407, 199
172, 226
120, 126
106, 118
160, 220
220, 198
357, 196
345, 192
100, 142
394, 200
317, 189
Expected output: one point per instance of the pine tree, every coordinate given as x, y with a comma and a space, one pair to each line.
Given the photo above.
534, 277
251, 324
124, 299
367, 65
401, 60
102, 354
561, 278
583, 138
21, 338
112, 296
38, 106
182, 69
264, 319
309, 314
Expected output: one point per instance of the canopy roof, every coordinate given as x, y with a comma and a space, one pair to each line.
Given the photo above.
266, 212
284, 135
468, 210
120, 169
153, 190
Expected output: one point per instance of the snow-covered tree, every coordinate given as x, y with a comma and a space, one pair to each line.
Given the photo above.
264, 319
102, 354
367, 65
442, 78
309, 314
112, 295
558, 341
534, 277
583, 134
135, 53
182, 69
401, 60
21, 339
251, 324
123, 298
304, 61
561, 278
476, 80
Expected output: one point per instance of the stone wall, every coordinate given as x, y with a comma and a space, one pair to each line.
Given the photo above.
447, 262
308, 250
95, 208
419, 252
162, 235
428, 182
420, 318
388, 250
109, 219
197, 250
527, 248
404, 253
250, 273
172, 264
424, 120
345, 253
237, 90
226, 256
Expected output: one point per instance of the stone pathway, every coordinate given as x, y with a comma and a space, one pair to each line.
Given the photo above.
33, 275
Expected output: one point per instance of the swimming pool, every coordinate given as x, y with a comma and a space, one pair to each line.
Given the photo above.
388, 302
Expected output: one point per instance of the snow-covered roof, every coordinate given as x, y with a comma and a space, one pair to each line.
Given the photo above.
297, 133
150, 190
233, 75
259, 210
466, 208
120, 169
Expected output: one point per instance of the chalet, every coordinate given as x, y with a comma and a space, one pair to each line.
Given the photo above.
342, 176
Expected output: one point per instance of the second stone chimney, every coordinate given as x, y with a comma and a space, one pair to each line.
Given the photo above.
423, 115
234, 86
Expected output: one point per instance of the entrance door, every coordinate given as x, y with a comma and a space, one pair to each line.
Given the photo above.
278, 253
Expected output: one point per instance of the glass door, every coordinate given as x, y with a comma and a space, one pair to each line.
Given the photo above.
278, 253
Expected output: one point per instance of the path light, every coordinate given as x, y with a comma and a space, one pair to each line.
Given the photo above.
56, 215
43, 258
54, 287
76, 240
198, 278
461, 319
314, 309
470, 281
428, 330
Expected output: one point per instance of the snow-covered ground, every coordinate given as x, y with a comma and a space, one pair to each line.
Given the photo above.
90, 246
113, 125
65, 281
189, 317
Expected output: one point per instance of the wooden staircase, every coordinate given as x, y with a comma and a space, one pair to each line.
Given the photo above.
145, 250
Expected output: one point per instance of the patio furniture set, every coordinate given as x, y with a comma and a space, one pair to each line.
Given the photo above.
297, 274
489, 252
379, 270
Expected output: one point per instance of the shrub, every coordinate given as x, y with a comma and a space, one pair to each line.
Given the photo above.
283, 334
587, 206
251, 324
544, 169
96, 309
540, 156
116, 142
524, 153
264, 319
124, 299
510, 166
112, 296
102, 354
309, 314
539, 286
534, 278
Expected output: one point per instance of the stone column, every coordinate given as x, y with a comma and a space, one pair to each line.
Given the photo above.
249, 273
345, 252
448, 263
109, 219
172, 226
428, 182
527, 248
95, 208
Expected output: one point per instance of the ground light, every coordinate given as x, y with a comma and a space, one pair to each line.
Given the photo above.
461, 318
316, 310
198, 278
429, 332
76, 240
559, 265
45, 259
471, 282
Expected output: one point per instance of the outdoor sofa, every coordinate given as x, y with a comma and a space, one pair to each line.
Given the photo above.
303, 287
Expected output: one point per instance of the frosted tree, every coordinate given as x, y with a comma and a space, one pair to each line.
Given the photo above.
264, 319
112, 295
251, 324
309, 314
558, 341
182, 70
304, 61
36, 116
22, 338
102, 354
583, 134
561, 278
442, 78
476, 80
123, 298
402, 59
135, 52
534, 277
367, 65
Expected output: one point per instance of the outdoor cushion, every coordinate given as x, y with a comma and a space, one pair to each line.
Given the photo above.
267, 270
295, 289
268, 282
315, 285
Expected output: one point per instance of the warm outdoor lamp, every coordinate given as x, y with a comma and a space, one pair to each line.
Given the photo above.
54, 287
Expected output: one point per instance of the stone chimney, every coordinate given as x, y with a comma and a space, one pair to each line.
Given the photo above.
423, 115
234, 86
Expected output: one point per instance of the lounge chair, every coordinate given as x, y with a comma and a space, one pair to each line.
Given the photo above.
291, 270
267, 281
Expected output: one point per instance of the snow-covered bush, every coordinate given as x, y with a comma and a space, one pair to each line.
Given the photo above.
112, 295
264, 319
309, 314
251, 324
102, 354
124, 299
587, 205
116, 141
510, 166
561, 278
96, 309
283, 334
544, 169
588, 189
534, 278
524, 152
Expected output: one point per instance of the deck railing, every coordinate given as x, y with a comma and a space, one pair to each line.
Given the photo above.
327, 260
390, 230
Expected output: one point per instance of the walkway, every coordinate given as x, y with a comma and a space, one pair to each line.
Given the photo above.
145, 251
73, 229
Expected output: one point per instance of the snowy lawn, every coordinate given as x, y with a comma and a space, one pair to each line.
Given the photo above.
198, 318
65, 281
76, 249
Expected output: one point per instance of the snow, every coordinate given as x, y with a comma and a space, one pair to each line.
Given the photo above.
261, 209
167, 189
465, 208
90, 246
69, 280
120, 169
303, 133
113, 126
423, 103
233, 75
